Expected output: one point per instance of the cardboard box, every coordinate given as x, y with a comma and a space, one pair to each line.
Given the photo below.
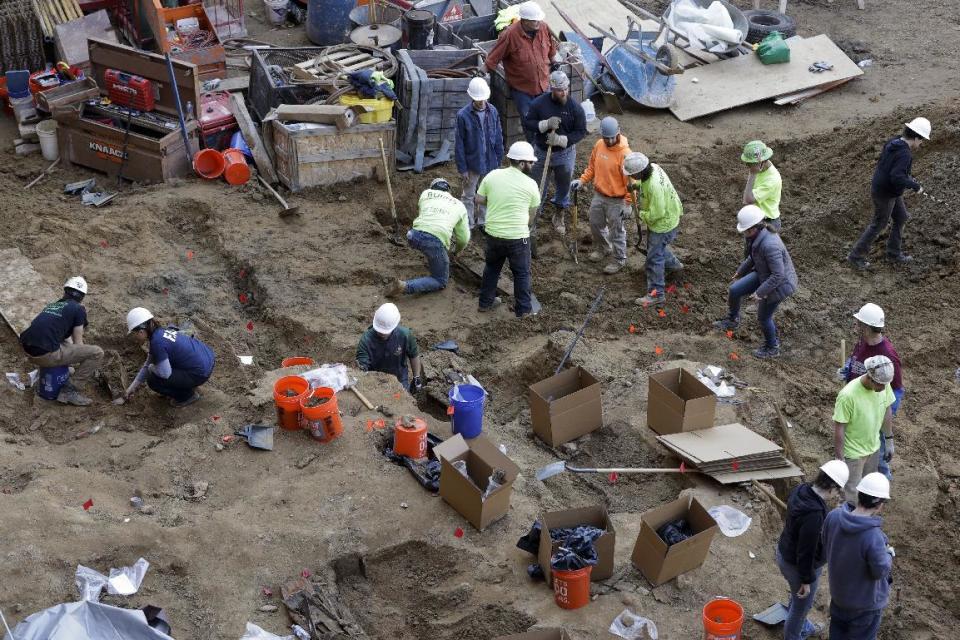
538, 634
659, 562
465, 494
566, 406
677, 401
605, 544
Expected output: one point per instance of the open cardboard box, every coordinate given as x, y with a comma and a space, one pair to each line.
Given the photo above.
605, 544
565, 406
538, 634
466, 494
659, 562
677, 401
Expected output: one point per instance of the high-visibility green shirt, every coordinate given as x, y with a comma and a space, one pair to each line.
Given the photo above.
862, 410
660, 207
767, 187
510, 195
442, 215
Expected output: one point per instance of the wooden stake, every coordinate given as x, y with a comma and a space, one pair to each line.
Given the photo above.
788, 447
843, 352
773, 498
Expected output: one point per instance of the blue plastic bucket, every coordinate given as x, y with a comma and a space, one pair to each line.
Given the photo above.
467, 401
51, 380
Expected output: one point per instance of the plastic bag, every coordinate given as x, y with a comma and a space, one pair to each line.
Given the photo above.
732, 522
333, 376
639, 628
773, 49
124, 581
426, 473
577, 548
494, 482
254, 632
674, 532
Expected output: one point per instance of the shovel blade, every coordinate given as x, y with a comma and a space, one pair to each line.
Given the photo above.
552, 469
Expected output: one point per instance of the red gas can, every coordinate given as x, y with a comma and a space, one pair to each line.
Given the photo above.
128, 90
217, 122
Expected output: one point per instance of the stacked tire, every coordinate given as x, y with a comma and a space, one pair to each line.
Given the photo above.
763, 23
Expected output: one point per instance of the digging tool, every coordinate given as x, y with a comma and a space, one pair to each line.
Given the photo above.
610, 100
123, 151
287, 209
576, 338
395, 238
369, 405
636, 216
543, 197
574, 219
43, 175
556, 468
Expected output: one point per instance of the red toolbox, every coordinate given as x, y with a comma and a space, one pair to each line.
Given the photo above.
128, 90
217, 122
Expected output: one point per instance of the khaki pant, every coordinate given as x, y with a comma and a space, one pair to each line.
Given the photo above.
606, 225
859, 467
85, 358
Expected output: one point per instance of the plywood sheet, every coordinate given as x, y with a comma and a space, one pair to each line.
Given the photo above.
24, 293
726, 442
738, 81
605, 13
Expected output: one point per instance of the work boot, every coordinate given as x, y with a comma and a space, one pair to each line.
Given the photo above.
496, 303
899, 259
597, 256
766, 352
613, 267
675, 268
395, 289
69, 394
726, 324
558, 221
860, 264
650, 299
184, 403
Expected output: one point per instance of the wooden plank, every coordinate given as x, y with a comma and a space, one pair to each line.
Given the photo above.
800, 96
784, 427
603, 12
24, 292
736, 477
252, 138
240, 83
738, 81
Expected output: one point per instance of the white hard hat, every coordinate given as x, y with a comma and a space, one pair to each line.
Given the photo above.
478, 89
879, 368
875, 484
920, 126
531, 11
386, 319
559, 80
836, 470
634, 163
76, 282
136, 317
870, 315
749, 216
522, 150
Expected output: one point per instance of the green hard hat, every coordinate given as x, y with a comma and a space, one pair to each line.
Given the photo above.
756, 151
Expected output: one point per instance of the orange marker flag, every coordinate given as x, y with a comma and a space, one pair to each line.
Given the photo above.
632, 329
662, 313
730, 333
734, 356
658, 351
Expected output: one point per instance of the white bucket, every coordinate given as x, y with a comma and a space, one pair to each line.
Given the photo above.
22, 108
276, 10
47, 133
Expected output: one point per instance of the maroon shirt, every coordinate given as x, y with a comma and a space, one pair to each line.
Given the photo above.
526, 60
863, 351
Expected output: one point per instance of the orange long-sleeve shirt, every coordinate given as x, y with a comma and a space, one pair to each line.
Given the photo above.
526, 60
605, 169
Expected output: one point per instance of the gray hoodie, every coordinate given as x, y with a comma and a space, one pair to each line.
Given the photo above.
859, 565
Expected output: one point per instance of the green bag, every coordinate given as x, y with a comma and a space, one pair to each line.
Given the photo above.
773, 49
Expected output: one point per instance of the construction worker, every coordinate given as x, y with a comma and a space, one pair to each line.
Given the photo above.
512, 198
611, 202
55, 339
386, 346
859, 562
557, 122
891, 179
177, 363
440, 217
766, 275
479, 145
799, 554
860, 414
660, 210
764, 185
526, 48
872, 342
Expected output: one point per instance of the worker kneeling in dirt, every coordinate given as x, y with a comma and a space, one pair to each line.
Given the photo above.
766, 275
764, 184
611, 202
660, 209
861, 416
799, 554
440, 217
859, 562
387, 347
177, 363
55, 339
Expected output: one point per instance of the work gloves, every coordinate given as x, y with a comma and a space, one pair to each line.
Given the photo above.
550, 124
556, 140
576, 185
890, 449
417, 385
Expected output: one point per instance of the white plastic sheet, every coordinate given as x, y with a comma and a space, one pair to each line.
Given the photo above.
254, 632
124, 581
329, 375
709, 29
710, 376
641, 629
86, 620
732, 522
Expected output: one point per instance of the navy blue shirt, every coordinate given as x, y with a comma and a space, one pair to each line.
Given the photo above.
892, 175
52, 326
184, 351
388, 356
573, 121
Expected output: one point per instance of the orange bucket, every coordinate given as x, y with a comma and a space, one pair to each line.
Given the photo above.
571, 589
208, 163
722, 619
287, 392
410, 437
293, 361
235, 170
323, 419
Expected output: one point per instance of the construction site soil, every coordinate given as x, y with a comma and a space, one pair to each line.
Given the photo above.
224, 524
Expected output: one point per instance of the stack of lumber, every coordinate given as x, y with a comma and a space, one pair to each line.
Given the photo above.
21, 38
50, 13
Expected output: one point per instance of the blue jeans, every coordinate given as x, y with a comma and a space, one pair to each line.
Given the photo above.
659, 257
742, 288
561, 166
882, 466
518, 253
522, 102
437, 259
796, 626
179, 386
854, 625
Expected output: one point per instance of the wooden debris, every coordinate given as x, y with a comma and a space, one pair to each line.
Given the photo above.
252, 138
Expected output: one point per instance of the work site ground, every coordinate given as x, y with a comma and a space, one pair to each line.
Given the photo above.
227, 525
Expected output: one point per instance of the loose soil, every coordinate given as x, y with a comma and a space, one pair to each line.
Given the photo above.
221, 263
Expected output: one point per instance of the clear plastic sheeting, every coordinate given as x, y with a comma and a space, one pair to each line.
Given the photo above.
86, 620
708, 29
633, 627
732, 522
333, 376
254, 632
124, 581
712, 377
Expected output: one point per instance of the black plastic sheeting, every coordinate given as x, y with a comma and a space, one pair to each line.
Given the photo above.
676, 531
576, 551
427, 473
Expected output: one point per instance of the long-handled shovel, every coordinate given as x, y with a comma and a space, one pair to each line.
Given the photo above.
396, 238
556, 468
573, 247
543, 195
576, 338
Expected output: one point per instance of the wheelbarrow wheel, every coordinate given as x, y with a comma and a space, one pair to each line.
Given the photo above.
666, 56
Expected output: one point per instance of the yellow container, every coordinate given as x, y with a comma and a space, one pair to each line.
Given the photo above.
379, 109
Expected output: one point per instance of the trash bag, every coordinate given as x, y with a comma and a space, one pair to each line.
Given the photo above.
633, 627
674, 532
732, 522
86, 620
124, 581
426, 473
530, 541
577, 548
773, 49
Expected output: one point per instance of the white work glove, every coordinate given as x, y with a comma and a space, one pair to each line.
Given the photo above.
556, 140
550, 124
891, 551
576, 185
841, 374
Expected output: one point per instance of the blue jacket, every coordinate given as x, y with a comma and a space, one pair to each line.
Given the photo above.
859, 565
892, 175
799, 543
573, 121
479, 144
770, 259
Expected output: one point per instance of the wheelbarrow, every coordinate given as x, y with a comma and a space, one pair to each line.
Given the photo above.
645, 72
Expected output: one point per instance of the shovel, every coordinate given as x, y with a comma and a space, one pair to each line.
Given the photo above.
543, 195
396, 238
574, 219
576, 338
556, 468
287, 209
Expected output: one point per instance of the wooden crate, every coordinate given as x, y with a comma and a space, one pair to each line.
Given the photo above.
211, 61
315, 155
